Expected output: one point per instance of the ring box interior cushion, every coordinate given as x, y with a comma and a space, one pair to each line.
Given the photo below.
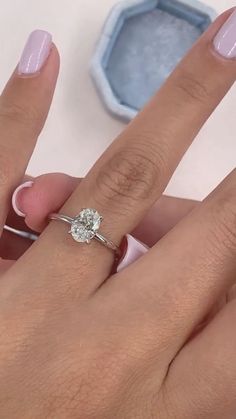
141, 44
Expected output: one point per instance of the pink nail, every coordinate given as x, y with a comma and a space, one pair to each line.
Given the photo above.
134, 249
35, 53
16, 197
225, 40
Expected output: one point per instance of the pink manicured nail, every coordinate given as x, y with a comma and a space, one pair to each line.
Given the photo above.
225, 40
17, 195
35, 53
134, 250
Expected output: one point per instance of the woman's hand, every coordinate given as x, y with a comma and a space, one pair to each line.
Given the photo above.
78, 342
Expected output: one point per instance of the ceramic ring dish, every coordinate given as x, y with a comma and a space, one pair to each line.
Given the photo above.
140, 44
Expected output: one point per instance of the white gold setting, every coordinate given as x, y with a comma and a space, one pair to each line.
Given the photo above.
85, 227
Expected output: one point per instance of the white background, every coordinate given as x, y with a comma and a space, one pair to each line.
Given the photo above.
78, 128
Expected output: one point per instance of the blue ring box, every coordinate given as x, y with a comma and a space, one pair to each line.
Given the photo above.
141, 43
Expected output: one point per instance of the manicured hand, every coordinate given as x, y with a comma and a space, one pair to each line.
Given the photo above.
80, 342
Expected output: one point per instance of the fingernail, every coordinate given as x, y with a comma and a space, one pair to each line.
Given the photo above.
133, 250
35, 53
17, 197
225, 40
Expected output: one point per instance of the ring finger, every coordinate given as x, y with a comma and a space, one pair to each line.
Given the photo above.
33, 202
135, 170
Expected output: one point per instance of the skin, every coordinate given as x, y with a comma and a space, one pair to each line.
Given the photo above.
78, 342
50, 191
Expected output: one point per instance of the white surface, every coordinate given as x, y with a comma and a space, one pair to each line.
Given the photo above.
78, 128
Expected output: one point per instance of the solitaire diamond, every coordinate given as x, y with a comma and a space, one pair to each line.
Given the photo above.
85, 225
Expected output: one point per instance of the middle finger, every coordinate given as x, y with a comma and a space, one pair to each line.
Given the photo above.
135, 170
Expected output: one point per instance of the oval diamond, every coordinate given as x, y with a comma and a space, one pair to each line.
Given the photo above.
85, 225
89, 218
80, 233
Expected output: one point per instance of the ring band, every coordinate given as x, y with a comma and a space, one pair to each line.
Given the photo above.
85, 227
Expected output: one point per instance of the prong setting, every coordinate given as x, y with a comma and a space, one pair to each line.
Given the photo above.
85, 227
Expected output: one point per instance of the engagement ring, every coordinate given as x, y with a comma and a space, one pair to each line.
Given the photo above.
85, 227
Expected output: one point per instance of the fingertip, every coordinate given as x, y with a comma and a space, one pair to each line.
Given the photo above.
17, 198
132, 251
46, 194
55, 55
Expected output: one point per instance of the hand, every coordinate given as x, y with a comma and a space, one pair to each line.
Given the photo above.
36, 198
78, 342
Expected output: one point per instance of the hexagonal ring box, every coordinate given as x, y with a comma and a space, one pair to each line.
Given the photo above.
141, 43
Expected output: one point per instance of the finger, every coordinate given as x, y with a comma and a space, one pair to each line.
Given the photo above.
13, 220
24, 105
206, 368
12, 243
162, 217
132, 174
181, 278
134, 171
34, 200
13, 246
38, 197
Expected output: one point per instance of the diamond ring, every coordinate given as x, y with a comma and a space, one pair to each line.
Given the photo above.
85, 227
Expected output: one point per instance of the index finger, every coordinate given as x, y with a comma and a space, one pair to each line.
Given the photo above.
24, 105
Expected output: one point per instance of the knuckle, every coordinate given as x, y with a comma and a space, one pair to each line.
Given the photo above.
193, 88
135, 173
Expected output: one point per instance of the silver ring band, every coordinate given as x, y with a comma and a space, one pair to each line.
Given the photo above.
85, 226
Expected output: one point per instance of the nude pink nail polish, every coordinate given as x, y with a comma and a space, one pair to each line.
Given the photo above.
35, 53
134, 249
225, 40
15, 197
